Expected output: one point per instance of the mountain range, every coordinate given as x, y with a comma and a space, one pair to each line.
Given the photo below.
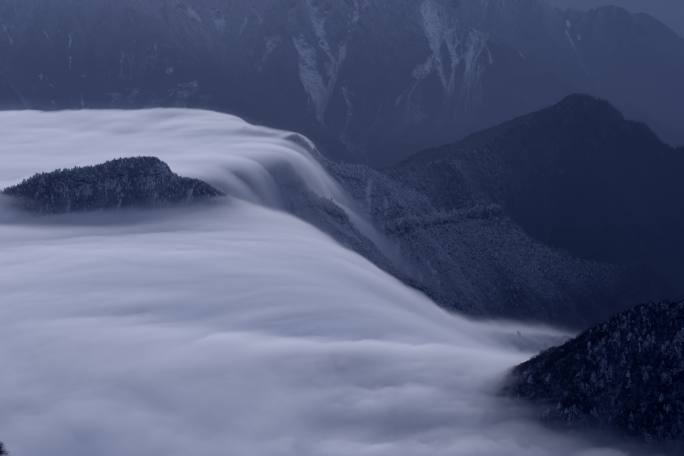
369, 80
507, 158
566, 215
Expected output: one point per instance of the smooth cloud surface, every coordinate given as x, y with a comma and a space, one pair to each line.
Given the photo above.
232, 328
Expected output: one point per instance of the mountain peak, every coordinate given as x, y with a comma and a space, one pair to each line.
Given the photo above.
587, 102
576, 175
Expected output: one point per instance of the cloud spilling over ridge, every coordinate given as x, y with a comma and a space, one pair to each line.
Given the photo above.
233, 328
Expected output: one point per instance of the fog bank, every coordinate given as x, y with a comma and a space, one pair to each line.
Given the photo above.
229, 328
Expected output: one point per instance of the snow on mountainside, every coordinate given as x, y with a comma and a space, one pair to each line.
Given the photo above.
568, 215
367, 79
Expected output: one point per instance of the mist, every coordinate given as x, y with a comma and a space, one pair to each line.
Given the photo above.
231, 327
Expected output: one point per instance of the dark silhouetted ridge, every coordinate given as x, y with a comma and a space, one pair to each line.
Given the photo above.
576, 175
125, 182
626, 374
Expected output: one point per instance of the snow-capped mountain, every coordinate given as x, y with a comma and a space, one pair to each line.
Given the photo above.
367, 79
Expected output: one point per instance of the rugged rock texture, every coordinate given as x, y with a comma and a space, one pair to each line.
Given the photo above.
368, 80
626, 374
126, 182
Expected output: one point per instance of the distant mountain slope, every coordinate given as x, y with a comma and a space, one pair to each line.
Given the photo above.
577, 176
478, 261
626, 374
369, 80
566, 215
671, 12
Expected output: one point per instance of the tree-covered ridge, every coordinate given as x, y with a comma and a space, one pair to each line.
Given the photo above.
626, 374
125, 182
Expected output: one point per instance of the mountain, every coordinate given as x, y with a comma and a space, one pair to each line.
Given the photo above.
577, 176
368, 80
126, 182
626, 374
670, 12
559, 216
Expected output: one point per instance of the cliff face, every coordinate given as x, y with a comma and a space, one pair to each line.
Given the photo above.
626, 374
127, 182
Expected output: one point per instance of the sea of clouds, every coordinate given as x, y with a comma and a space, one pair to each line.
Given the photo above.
231, 328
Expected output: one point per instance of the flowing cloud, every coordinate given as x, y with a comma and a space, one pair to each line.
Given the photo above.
232, 328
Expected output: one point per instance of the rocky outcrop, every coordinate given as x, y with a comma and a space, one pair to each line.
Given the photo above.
126, 182
624, 375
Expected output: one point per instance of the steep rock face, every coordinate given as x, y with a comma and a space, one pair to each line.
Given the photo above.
368, 80
127, 182
626, 374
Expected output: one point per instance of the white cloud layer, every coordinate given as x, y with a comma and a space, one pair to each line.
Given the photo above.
228, 329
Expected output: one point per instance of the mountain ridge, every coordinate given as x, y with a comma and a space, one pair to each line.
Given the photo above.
368, 80
119, 183
457, 216
623, 375
532, 165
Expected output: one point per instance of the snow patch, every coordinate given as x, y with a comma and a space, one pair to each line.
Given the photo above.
272, 43
192, 14
10, 39
454, 52
320, 57
570, 40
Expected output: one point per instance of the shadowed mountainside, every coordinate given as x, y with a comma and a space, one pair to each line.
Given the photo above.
577, 176
566, 215
626, 375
